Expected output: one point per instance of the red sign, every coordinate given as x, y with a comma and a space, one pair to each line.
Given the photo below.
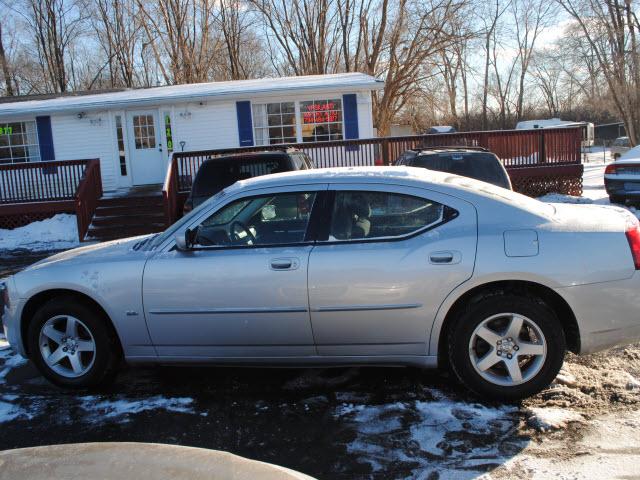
320, 113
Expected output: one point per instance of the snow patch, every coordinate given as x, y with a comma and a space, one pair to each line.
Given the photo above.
545, 419
459, 434
560, 198
120, 409
55, 233
11, 360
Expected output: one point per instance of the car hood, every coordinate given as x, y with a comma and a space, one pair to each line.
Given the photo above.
100, 252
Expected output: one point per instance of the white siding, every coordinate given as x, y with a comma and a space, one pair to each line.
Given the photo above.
88, 137
210, 126
365, 115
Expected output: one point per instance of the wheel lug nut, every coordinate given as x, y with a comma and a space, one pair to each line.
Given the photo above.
516, 348
509, 356
64, 349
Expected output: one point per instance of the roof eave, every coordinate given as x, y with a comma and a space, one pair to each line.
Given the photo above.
182, 98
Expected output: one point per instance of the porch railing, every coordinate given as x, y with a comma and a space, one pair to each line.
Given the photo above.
517, 149
37, 190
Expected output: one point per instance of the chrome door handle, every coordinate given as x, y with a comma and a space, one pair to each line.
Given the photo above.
445, 258
284, 263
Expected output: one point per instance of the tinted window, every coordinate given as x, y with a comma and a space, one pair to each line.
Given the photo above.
358, 215
264, 220
481, 166
216, 175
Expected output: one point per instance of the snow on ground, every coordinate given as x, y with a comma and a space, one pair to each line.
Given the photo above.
545, 419
55, 233
452, 433
99, 409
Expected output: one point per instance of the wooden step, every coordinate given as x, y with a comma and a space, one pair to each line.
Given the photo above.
111, 233
128, 210
125, 220
130, 202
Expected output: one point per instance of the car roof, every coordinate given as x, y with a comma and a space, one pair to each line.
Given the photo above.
439, 150
465, 188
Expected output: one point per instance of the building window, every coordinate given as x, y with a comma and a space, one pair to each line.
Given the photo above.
144, 132
19, 142
120, 137
168, 132
321, 120
274, 123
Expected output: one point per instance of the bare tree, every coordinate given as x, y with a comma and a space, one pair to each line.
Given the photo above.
118, 29
181, 37
611, 30
530, 18
55, 25
304, 34
6, 72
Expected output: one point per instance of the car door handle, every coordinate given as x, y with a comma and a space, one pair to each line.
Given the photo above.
445, 258
284, 263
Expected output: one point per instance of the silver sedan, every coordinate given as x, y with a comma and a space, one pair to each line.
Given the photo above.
352, 266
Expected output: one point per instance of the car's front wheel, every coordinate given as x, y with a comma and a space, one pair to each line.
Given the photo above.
72, 345
506, 346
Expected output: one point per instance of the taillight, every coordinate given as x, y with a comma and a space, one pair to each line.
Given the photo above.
611, 168
633, 237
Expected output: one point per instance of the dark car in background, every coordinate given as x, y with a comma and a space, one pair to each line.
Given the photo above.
218, 173
473, 162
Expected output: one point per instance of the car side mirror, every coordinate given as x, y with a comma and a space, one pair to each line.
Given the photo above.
186, 241
181, 242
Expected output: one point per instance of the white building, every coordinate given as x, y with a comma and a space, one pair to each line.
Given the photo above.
134, 132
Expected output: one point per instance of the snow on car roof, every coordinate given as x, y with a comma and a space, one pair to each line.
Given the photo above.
632, 154
195, 91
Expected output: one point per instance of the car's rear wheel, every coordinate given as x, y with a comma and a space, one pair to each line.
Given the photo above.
72, 345
506, 346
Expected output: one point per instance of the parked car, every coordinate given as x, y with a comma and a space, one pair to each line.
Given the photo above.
620, 146
373, 265
217, 173
622, 177
473, 162
441, 129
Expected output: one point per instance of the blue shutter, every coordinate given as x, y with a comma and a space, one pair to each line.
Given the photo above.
45, 138
350, 113
45, 142
245, 127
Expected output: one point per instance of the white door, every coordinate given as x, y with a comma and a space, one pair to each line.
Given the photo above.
147, 163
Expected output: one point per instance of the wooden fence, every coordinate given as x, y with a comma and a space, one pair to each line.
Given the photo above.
539, 161
38, 190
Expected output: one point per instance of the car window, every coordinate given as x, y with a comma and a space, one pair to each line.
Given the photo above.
299, 161
216, 175
367, 215
481, 166
254, 221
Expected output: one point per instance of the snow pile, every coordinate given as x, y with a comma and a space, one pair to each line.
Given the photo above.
55, 233
560, 198
119, 410
545, 419
456, 434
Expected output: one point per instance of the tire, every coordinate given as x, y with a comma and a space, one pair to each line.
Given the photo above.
616, 199
540, 332
88, 368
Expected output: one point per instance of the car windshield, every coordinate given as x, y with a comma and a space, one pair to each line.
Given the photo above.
478, 165
162, 237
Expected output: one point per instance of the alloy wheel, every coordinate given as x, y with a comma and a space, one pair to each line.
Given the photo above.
67, 346
507, 349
